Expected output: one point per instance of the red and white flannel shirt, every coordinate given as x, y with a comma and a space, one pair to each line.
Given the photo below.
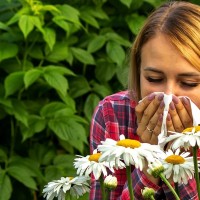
115, 115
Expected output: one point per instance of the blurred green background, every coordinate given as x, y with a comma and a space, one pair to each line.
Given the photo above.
58, 59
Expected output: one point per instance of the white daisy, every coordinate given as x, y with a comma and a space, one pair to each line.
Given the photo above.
132, 152
189, 137
91, 164
66, 186
180, 167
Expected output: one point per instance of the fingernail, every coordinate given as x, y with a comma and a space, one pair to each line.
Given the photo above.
168, 117
175, 99
160, 97
151, 96
162, 104
185, 101
171, 105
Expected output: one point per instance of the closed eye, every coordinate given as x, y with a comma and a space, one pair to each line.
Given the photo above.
155, 80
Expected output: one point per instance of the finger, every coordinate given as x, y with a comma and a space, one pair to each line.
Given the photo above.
145, 136
151, 111
175, 118
139, 109
185, 101
150, 135
183, 112
169, 123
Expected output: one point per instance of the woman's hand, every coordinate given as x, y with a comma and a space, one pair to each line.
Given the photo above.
149, 117
180, 115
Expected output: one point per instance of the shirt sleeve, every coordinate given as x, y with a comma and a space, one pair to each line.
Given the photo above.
98, 133
113, 116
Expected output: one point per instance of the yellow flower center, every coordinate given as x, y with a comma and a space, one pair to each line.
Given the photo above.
175, 159
94, 157
70, 178
129, 143
197, 128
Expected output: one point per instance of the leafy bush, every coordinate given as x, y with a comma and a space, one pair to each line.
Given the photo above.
57, 60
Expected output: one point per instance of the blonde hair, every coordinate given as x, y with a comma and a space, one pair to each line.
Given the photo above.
180, 21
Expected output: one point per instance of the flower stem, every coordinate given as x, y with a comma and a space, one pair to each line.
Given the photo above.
130, 186
169, 186
196, 169
101, 180
151, 197
107, 194
176, 189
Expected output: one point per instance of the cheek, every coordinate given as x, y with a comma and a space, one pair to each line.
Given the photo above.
196, 100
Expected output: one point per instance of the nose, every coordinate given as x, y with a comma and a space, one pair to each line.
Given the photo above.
171, 88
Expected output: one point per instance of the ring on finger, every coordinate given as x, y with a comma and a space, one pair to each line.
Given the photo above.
150, 130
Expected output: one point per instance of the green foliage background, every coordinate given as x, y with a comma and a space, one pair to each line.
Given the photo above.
58, 58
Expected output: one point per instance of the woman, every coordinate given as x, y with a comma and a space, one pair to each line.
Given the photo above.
165, 57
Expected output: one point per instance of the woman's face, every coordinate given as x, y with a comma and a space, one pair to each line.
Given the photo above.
163, 69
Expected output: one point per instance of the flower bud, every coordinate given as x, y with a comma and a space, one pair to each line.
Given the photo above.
155, 169
110, 182
148, 193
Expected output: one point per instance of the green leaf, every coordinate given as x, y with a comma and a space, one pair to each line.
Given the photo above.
42, 153
105, 70
31, 76
89, 19
135, 22
21, 174
65, 161
49, 36
67, 129
52, 173
36, 124
50, 110
36, 52
7, 50
83, 56
5, 186
79, 86
96, 43
102, 90
126, 2
57, 81
97, 12
118, 39
3, 156
36, 22
59, 52
58, 69
31, 166
26, 24
70, 13
156, 3
122, 74
3, 26
14, 82
90, 104
115, 53
20, 111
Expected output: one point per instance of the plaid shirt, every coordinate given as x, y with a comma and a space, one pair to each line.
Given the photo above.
115, 115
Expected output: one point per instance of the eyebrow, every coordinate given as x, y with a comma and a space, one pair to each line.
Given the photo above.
188, 74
